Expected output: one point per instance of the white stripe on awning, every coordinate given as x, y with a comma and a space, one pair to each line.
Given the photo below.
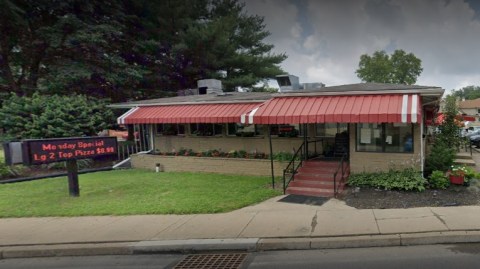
121, 119
247, 118
414, 111
250, 116
404, 108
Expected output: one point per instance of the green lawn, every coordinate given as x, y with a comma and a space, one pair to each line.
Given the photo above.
129, 192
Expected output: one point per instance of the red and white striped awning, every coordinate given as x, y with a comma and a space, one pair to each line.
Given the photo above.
405, 108
188, 113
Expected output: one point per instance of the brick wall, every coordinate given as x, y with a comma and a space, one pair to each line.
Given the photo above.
235, 166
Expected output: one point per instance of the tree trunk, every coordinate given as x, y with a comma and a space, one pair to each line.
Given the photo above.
5, 66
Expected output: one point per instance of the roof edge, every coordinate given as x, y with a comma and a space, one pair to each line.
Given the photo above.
186, 103
423, 92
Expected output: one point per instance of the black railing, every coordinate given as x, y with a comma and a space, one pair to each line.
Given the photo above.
341, 165
300, 155
140, 143
467, 144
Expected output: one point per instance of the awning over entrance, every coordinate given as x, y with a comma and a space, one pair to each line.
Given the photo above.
405, 108
188, 113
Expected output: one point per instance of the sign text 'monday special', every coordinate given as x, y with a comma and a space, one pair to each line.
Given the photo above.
55, 150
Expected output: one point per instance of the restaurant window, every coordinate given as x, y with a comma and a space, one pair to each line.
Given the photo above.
244, 130
386, 137
206, 129
330, 129
287, 130
170, 129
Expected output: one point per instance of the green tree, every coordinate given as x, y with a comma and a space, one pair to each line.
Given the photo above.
202, 39
65, 46
469, 92
48, 116
449, 130
399, 68
130, 49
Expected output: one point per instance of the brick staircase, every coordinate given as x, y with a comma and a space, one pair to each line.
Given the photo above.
315, 178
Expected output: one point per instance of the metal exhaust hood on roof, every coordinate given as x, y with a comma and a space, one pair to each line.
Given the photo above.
291, 83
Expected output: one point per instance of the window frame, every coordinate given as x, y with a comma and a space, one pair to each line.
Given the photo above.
258, 130
383, 138
338, 129
300, 130
177, 128
214, 134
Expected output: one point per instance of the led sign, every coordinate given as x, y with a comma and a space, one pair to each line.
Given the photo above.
41, 151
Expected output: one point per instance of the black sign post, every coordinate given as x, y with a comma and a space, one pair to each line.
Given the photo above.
73, 186
42, 151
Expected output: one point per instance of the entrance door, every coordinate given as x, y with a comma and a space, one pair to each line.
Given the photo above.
334, 137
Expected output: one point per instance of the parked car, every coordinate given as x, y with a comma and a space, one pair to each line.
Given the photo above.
475, 140
473, 128
472, 133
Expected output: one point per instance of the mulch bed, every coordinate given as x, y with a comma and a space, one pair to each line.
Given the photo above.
368, 198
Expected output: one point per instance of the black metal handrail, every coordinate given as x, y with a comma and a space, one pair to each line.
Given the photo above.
291, 168
340, 166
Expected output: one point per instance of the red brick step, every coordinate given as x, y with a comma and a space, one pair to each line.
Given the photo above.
315, 178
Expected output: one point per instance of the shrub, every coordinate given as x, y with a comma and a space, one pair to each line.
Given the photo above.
47, 116
438, 180
470, 173
4, 170
407, 179
283, 156
440, 158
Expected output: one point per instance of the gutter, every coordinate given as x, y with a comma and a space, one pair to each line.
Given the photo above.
421, 92
187, 103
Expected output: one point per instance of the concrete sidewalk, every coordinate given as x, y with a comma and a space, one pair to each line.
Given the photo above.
268, 225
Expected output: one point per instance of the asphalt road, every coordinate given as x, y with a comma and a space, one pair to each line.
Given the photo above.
463, 256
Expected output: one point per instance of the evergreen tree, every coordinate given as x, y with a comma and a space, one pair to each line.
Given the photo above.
129, 49
65, 46
43, 116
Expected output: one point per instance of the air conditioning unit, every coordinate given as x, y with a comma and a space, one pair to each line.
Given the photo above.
206, 86
288, 83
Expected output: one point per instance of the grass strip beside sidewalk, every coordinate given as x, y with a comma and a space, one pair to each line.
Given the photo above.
134, 192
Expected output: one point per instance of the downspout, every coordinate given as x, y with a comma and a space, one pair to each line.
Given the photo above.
305, 156
422, 144
271, 154
152, 138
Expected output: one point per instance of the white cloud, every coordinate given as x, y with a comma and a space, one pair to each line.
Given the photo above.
443, 34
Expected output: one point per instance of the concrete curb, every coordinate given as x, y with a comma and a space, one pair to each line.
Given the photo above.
240, 244
65, 250
195, 245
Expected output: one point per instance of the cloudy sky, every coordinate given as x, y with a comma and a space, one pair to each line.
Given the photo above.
324, 39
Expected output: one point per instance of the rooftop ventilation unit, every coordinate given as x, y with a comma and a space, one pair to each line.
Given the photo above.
288, 83
207, 86
313, 86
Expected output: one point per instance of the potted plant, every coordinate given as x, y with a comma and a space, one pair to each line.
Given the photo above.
457, 174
